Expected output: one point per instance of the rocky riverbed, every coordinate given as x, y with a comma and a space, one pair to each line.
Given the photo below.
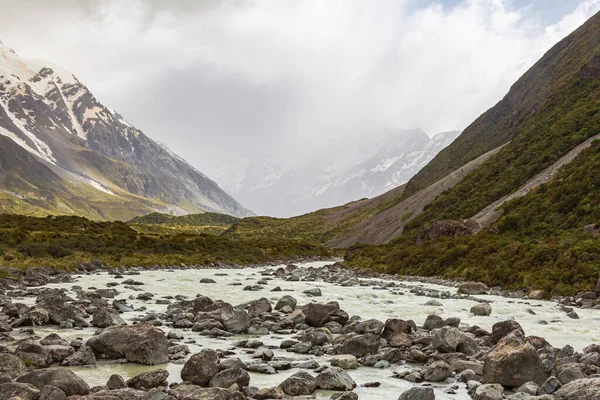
307, 331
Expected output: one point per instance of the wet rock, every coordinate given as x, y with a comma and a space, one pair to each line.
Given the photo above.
433, 322
472, 288
360, 345
269, 393
315, 313
446, 339
436, 371
62, 378
148, 380
313, 292
481, 310
335, 378
512, 362
501, 329
201, 367
207, 280
570, 374
344, 361
489, 392
229, 377
116, 382
12, 365
52, 393
582, 389
286, 301
369, 326
239, 322
300, 384
16, 390
259, 307
141, 343
34, 354
417, 393
195, 392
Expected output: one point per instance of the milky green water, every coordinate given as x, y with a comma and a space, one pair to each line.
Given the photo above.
363, 301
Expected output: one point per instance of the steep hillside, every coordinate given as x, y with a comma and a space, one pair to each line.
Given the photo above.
529, 216
91, 151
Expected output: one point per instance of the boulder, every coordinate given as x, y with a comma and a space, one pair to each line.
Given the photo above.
395, 327
417, 393
62, 378
141, 343
286, 300
512, 362
84, 356
370, 326
489, 392
16, 390
239, 322
570, 374
436, 371
472, 288
433, 322
300, 384
229, 377
148, 380
34, 354
269, 393
315, 313
259, 307
335, 378
12, 365
581, 389
501, 329
446, 339
201, 367
481, 310
116, 382
344, 361
103, 318
194, 392
360, 345
52, 393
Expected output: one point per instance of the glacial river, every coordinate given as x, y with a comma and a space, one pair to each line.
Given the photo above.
365, 301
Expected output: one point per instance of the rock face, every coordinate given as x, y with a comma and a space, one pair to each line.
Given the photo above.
582, 389
62, 378
142, 343
512, 362
201, 367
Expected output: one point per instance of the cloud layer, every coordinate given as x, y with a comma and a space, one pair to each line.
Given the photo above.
219, 80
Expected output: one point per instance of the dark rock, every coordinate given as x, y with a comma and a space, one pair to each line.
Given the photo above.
201, 367
62, 378
148, 380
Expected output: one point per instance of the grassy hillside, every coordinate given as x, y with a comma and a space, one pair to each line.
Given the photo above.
63, 242
165, 224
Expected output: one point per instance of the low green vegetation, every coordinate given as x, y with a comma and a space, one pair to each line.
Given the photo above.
165, 224
62, 241
547, 240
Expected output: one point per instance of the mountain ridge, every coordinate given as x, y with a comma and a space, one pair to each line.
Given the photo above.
49, 113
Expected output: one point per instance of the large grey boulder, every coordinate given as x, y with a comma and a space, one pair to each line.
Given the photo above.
481, 310
201, 367
472, 288
12, 365
228, 377
195, 392
446, 339
141, 343
335, 378
288, 301
84, 356
581, 389
300, 384
417, 393
103, 318
62, 378
436, 371
239, 322
512, 362
316, 313
16, 390
148, 380
360, 345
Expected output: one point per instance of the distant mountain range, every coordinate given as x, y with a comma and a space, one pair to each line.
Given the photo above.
63, 152
271, 187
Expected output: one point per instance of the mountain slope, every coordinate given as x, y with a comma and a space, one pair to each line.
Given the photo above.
272, 187
91, 150
529, 216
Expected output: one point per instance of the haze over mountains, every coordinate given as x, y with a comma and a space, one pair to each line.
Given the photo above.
280, 188
63, 152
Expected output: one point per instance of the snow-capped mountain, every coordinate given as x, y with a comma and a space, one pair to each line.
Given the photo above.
74, 155
271, 187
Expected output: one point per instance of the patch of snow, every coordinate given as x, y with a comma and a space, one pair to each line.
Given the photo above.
98, 185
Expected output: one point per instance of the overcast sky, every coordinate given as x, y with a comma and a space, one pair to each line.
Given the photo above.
217, 80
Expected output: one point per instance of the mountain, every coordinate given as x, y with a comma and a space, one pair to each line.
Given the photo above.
513, 201
64, 152
271, 187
